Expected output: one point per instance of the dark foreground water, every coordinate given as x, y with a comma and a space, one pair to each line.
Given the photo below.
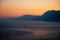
29, 30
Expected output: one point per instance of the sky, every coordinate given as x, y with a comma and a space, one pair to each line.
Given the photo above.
16, 8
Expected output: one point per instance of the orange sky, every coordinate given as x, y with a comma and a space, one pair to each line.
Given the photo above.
15, 8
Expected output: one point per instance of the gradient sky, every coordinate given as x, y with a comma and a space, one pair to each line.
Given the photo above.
15, 8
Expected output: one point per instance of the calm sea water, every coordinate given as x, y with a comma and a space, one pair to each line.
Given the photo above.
29, 30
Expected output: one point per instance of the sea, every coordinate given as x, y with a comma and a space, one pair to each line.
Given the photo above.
29, 30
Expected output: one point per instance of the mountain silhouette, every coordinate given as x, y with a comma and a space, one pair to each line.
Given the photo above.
51, 16
28, 18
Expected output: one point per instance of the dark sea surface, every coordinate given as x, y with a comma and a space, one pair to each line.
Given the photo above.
29, 30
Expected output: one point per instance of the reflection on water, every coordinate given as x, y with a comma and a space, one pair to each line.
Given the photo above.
30, 31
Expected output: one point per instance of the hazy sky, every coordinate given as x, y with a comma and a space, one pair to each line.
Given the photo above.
13, 8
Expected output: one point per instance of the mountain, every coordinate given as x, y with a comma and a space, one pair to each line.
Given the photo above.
29, 18
51, 16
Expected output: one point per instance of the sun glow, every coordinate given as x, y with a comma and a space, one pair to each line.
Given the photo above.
13, 8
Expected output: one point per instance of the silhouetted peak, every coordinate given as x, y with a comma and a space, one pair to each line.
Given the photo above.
51, 12
52, 15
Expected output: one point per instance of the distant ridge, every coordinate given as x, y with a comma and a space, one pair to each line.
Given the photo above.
51, 16
28, 18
